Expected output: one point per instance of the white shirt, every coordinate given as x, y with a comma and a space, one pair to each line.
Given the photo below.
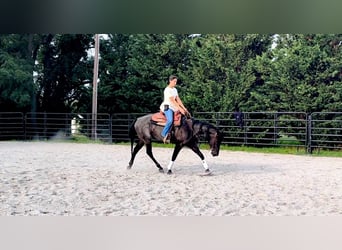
169, 92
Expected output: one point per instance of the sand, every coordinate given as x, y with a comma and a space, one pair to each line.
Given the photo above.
57, 178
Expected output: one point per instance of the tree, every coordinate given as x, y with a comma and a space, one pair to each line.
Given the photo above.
112, 73
302, 73
17, 57
134, 70
63, 71
219, 70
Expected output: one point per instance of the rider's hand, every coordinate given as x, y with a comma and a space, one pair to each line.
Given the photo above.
186, 113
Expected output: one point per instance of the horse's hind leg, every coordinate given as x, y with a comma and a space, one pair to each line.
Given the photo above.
176, 151
134, 153
150, 154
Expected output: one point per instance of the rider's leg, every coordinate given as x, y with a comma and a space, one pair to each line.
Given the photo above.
169, 121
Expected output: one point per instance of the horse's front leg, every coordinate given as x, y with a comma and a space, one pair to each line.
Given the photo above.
196, 149
150, 154
176, 150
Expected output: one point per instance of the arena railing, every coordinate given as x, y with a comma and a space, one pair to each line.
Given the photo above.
319, 130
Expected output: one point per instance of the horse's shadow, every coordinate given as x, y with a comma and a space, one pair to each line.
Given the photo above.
227, 168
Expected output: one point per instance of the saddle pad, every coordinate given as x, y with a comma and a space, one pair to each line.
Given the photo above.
160, 118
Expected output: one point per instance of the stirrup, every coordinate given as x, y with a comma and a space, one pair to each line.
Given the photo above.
166, 139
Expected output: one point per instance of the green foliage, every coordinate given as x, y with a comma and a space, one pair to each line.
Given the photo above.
288, 140
16, 73
134, 70
63, 71
217, 72
302, 73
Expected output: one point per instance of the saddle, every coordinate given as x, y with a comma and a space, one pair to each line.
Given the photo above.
159, 118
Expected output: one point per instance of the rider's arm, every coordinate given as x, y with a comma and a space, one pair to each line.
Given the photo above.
180, 103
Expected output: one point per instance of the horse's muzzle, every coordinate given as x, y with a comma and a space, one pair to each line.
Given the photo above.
214, 153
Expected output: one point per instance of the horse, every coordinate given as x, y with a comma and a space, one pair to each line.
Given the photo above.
187, 134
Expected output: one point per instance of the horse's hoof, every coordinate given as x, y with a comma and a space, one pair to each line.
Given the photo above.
129, 167
161, 170
207, 172
169, 172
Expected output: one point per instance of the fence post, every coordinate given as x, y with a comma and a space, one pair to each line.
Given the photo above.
217, 117
68, 122
275, 131
45, 128
110, 129
24, 125
309, 134
245, 138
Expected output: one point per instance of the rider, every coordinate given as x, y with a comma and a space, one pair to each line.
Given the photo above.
171, 104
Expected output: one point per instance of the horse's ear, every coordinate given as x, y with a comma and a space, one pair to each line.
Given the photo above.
222, 132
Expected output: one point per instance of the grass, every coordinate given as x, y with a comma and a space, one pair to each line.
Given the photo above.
270, 150
284, 150
81, 139
294, 150
288, 140
328, 153
76, 139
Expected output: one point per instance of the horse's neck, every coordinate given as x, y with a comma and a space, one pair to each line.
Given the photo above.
201, 128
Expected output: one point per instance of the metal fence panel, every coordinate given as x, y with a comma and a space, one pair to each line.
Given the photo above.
261, 128
121, 122
12, 126
225, 121
310, 131
64, 125
326, 130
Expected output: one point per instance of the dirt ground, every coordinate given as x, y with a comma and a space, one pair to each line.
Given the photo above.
55, 178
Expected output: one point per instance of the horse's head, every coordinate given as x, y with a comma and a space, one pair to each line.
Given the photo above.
238, 115
210, 133
215, 139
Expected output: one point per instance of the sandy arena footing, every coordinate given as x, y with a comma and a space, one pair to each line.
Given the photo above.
55, 178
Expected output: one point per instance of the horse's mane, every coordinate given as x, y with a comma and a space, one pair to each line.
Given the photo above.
203, 128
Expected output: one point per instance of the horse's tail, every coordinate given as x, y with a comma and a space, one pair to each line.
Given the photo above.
132, 133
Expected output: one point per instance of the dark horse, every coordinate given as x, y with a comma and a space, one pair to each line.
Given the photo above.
187, 134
